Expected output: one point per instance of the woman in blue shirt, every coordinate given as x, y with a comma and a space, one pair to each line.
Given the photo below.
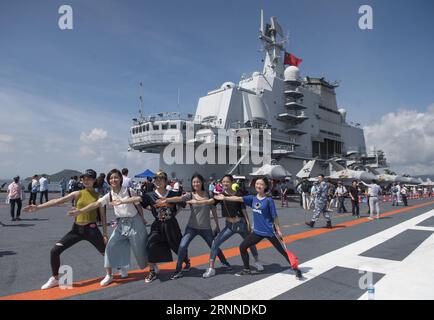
265, 223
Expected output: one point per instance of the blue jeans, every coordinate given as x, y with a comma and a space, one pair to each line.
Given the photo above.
189, 235
230, 229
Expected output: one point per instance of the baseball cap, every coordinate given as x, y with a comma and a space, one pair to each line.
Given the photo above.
89, 173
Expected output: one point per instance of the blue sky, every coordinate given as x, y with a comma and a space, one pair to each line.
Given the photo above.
90, 75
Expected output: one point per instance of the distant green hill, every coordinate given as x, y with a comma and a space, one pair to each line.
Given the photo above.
66, 174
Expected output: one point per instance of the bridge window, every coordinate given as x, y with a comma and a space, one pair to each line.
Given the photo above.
327, 149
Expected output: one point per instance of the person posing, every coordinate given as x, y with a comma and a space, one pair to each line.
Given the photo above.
165, 233
237, 221
265, 224
130, 233
199, 223
354, 193
43, 188
15, 195
84, 227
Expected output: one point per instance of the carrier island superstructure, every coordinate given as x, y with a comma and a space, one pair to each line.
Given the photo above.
299, 115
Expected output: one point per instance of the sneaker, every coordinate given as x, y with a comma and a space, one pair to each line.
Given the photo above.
210, 272
151, 276
298, 274
123, 272
370, 218
51, 283
259, 266
310, 224
106, 281
13, 219
176, 275
187, 266
226, 266
244, 272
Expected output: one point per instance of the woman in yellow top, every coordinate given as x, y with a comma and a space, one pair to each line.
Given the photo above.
84, 227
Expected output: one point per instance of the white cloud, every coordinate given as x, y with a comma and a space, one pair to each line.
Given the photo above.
95, 134
407, 138
45, 136
6, 143
5, 138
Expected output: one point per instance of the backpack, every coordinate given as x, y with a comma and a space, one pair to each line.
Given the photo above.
29, 187
395, 189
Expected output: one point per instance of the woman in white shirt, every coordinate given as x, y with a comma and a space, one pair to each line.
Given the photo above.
130, 233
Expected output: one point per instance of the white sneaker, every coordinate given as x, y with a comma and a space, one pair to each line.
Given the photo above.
51, 283
106, 281
209, 273
123, 272
259, 266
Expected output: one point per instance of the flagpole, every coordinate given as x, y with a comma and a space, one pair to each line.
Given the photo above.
141, 100
179, 93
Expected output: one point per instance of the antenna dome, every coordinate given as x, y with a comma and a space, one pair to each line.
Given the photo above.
292, 73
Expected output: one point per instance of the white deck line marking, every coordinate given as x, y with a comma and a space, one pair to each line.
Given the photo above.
410, 279
422, 228
348, 256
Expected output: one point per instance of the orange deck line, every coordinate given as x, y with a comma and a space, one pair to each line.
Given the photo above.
92, 285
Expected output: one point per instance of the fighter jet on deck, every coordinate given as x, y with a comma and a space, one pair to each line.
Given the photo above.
340, 173
427, 183
337, 172
384, 178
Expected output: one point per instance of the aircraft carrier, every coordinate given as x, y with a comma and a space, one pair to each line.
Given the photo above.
298, 115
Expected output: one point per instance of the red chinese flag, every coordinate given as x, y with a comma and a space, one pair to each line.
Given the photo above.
292, 60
